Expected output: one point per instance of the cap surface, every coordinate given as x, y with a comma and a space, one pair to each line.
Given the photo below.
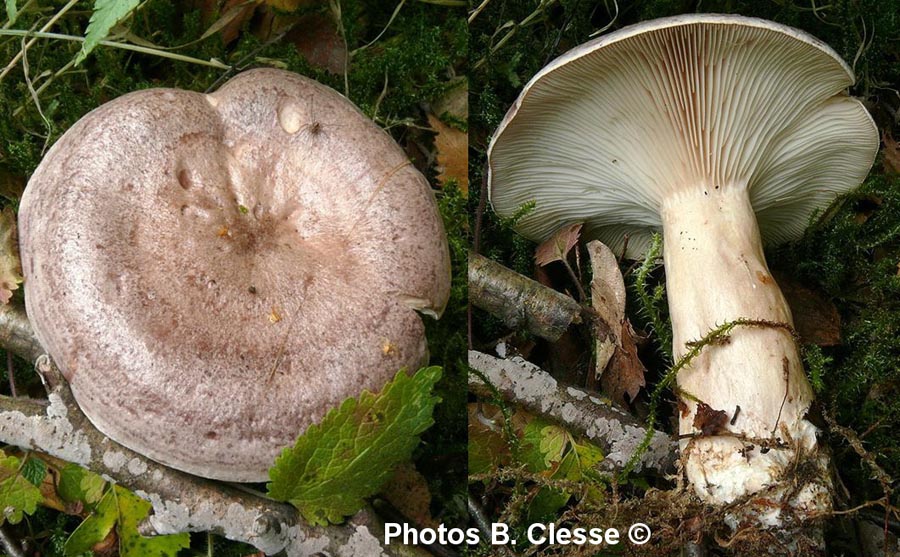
212, 273
611, 128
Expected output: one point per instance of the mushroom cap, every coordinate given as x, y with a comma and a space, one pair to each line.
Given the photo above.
212, 273
607, 131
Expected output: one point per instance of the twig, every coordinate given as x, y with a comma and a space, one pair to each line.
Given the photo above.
519, 301
483, 524
16, 334
478, 10
9, 544
383, 31
615, 431
213, 63
11, 373
26, 46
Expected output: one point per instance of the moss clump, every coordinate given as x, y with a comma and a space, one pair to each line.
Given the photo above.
853, 255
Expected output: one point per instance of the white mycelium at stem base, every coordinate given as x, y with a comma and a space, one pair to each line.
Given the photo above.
716, 273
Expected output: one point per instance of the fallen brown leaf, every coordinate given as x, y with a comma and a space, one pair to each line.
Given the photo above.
709, 421
10, 266
234, 14
317, 38
625, 373
608, 300
452, 147
558, 246
407, 491
816, 319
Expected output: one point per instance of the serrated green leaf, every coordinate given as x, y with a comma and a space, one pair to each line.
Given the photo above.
95, 527
351, 453
133, 510
10, 265
78, 484
106, 14
34, 470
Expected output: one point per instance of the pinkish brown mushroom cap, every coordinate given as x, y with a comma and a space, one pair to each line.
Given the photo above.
212, 273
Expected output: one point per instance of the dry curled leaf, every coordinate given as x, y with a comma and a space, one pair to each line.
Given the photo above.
608, 301
452, 153
709, 421
558, 246
10, 266
625, 373
317, 38
407, 491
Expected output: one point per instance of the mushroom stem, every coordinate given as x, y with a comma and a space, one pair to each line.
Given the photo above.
716, 272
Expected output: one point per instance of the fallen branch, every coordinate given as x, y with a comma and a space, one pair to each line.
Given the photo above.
615, 431
181, 502
16, 334
519, 301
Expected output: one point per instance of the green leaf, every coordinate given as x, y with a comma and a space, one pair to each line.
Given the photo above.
78, 484
530, 452
125, 510
350, 455
554, 440
132, 511
11, 11
106, 14
18, 496
34, 470
95, 528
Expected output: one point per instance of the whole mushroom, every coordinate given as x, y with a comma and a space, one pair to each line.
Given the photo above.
723, 132
212, 273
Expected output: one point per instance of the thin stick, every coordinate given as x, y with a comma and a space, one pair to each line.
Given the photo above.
49, 25
10, 371
212, 63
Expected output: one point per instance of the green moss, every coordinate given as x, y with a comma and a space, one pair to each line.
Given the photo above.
853, 256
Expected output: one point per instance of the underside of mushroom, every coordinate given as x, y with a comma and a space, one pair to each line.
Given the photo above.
724, 132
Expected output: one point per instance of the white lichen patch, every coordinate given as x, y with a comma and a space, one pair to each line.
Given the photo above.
114, 460
302, 545
362, 544
576, 394
568, 412
136, 467
234, 521
529, 382
52, 433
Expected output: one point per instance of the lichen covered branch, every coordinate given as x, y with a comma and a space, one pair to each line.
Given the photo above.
181, 502
613, 430
519, 301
